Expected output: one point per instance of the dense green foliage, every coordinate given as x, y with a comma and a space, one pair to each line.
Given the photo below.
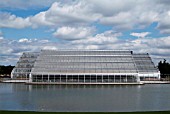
164, 68
21, 112
6, 70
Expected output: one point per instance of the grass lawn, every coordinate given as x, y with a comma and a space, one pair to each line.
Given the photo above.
25, 112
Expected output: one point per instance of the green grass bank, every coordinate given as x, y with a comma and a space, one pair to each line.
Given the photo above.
30, 112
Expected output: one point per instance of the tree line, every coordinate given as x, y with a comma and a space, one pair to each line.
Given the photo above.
164, 68
5, 70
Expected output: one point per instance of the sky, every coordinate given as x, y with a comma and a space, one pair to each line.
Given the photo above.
142, 26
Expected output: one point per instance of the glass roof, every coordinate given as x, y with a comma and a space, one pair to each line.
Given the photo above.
84, 62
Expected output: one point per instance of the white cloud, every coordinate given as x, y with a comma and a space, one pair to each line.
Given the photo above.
5, 50
120, 14
119, 21
43, 41
39, 20
91, 47
22, 4
58, 14
11, 50
109, 7
1, 38
50, 48
158, 48
130, 19
72, 33
106, 38
11, 21
160, 43
140, 35
164, 23
24, 40
74, 22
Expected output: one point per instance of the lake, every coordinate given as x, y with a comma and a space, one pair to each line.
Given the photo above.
78, 98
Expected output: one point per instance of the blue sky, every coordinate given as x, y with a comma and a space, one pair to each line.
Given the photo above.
84, 24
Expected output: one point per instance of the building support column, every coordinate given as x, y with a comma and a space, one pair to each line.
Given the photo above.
102, 78
66, 78
84, 78
42, 78
30, 77
108, 78
120, 79
90, 78
159, 77
126, 78
137, 77
96, 78
48, 78
54, 78
60, 78
114, 79
78, 78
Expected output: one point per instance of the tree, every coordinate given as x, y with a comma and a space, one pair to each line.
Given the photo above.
5, 70
164, 68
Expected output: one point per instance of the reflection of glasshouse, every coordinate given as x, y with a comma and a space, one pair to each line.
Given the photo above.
85, 66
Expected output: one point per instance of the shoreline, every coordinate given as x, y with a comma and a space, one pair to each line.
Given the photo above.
37, 112
78, 83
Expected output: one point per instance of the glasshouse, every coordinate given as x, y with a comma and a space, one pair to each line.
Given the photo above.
85, 67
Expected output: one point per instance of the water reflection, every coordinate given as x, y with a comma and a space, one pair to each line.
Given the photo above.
103, 98
49, 87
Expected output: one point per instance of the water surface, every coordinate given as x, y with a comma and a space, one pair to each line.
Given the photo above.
102, 98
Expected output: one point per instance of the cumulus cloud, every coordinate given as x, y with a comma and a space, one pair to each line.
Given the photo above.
50, 48
40, 20
120, 14
8, 20
72, 33
24, 40
1, 38
20, 4
164, 23
119, 21
130, 19
99, 41
58, 14
11, 50
75, 21
108, 7
140, 35
158, 48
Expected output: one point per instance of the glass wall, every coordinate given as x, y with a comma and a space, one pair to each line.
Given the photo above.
85, 78
23, 67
